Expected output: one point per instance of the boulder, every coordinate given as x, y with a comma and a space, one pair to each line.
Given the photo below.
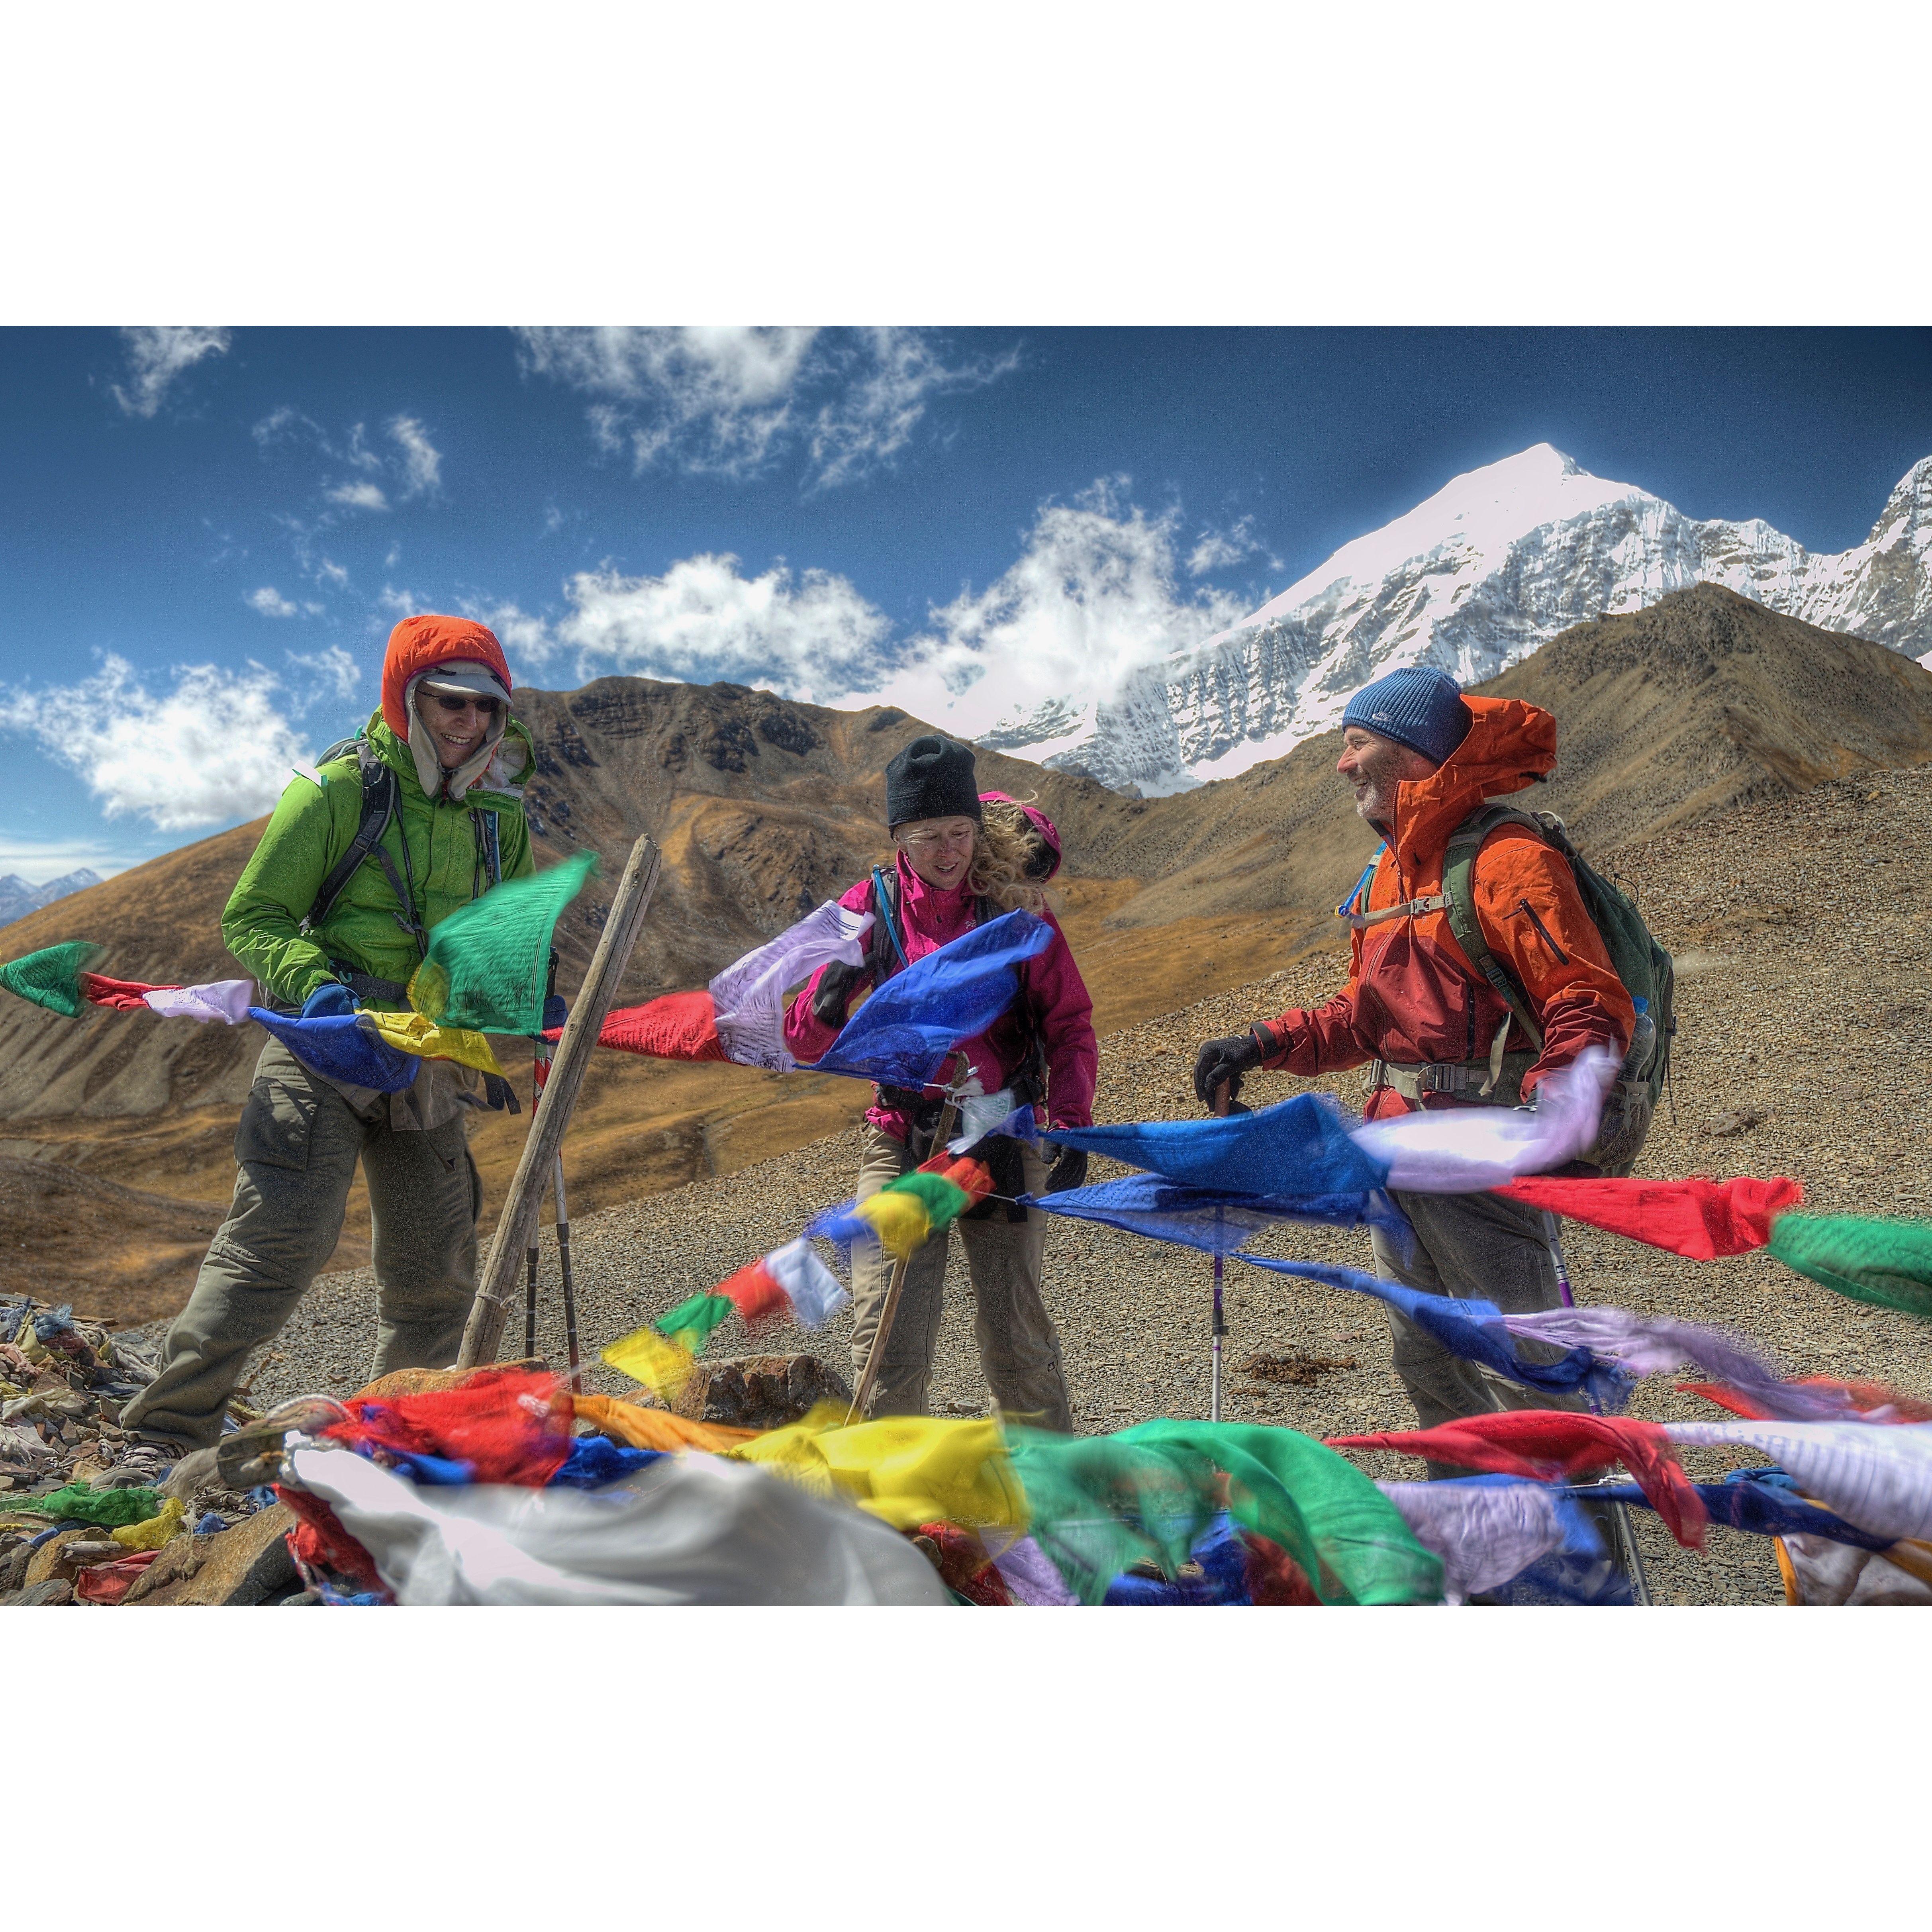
55, 1590
245, 1565
759, 1391
431, 1381
51, 1560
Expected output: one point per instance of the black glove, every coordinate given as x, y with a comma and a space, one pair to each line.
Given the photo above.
1226, 1060
1068, 1170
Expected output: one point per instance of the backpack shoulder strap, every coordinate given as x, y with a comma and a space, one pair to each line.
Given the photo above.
885, 949
1459, 879
487, 826
380, 794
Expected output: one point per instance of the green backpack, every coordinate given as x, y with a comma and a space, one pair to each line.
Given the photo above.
1642, 965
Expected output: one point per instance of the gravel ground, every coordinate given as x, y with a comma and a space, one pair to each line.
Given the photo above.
1804, 1006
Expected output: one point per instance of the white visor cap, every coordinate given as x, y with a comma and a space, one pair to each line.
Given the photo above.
463, 678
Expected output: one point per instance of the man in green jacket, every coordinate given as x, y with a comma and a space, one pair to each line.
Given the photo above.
447, 759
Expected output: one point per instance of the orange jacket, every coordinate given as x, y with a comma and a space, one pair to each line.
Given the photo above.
1413, 996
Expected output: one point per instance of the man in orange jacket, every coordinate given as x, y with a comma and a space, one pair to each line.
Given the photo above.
1421, 758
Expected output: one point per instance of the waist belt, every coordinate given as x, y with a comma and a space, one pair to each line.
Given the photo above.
367, 986
1468, 1079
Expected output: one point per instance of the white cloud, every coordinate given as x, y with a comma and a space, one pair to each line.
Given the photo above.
866, 423
213, 749
732, 402
403, 603
359, 496
421, 461
808, 634
1222, 549
1093, 598
336, 672
40, 861
270, 603
156, 357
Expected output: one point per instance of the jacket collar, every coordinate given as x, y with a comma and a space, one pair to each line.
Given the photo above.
1510, 744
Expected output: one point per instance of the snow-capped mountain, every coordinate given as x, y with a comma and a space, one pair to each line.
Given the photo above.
1491, 566
18, 898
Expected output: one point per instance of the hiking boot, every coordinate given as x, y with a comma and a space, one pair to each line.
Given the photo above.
144, 1464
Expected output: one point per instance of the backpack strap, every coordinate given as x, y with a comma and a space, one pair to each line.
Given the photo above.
886, 927
380, 796
489, 847
1459, 870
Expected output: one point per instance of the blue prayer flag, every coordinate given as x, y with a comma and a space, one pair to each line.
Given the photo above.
338, 1048
1473, 1329
1301, 1146
903, 1033
1216, 1222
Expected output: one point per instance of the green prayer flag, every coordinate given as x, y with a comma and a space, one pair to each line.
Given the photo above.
113, 1508
944, 1201
489, 961
1349, 1539
1887, 1263
51, 977
1097, 1504
691, 1322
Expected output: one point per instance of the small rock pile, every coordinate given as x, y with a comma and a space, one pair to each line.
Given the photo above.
67, 1534
759, 1391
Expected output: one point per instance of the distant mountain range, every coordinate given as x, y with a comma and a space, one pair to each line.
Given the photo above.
1489, 569
18, 898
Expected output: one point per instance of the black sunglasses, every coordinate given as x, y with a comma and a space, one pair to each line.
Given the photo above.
488, 707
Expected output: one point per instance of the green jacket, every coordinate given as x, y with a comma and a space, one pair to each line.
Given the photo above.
313, 825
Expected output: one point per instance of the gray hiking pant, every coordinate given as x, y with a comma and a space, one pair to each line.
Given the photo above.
297, 1145
1482, 1247
1019, 1348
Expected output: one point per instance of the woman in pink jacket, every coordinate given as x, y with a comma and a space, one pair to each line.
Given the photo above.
963, 859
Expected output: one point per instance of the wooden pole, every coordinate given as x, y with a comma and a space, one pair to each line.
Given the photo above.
875, 1355
517, 1225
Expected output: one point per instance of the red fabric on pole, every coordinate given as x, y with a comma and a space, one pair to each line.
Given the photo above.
318, 1542
755, 1293
514, 1427
1699, 1219
1545, 1444
123, 995
679, 1026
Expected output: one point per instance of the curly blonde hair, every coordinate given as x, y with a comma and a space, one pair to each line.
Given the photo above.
1007, 844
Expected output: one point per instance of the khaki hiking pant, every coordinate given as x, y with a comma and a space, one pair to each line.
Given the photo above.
297, 1145
1019, 1348
1481, 1247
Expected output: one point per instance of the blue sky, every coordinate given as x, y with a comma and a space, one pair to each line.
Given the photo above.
207, 534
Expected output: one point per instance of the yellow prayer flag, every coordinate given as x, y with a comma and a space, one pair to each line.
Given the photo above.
899, 1220
172, 1522
645, 1357
412, 1033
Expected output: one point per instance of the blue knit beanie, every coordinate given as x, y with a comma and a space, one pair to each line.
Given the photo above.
1417, 707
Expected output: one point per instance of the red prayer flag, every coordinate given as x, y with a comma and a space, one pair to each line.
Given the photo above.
679, 1026
1700, 1220
123, 995
1863, 1396
756, 1294
1547, 1443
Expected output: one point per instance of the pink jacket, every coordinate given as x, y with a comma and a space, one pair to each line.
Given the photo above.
1050, 986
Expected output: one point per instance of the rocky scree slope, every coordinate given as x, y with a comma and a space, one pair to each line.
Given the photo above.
1805, 1003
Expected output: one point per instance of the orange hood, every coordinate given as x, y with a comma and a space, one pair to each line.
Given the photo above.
1510, 744
418, 644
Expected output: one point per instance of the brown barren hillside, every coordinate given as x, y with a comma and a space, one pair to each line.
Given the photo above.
764, 807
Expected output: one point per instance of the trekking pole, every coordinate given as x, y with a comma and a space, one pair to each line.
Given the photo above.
876, 1354
558, 1196
538, 1062
1223, 1099
563, 1267
1619, 1512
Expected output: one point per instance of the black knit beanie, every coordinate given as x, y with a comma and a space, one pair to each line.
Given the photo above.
932, 778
